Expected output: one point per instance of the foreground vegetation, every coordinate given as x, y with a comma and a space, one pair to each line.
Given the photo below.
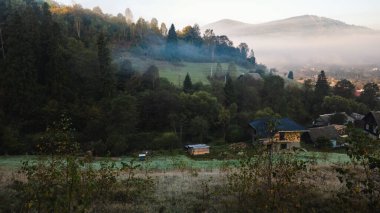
60, 179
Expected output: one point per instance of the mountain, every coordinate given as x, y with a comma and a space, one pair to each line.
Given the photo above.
306, 25
304, 40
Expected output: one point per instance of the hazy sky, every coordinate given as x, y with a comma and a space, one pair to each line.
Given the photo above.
188, 12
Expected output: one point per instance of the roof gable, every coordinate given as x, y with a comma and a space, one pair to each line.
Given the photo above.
375, 115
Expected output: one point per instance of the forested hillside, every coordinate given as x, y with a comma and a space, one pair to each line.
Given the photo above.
58, 60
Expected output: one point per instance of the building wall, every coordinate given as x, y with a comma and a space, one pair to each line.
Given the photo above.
199, 151
288, 136
289, 145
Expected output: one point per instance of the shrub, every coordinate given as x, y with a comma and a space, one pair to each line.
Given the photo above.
323, 142
167, 140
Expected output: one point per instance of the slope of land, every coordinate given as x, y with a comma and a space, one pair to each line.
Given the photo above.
176, 73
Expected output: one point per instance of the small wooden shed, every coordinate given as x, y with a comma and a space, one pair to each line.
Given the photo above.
198, 149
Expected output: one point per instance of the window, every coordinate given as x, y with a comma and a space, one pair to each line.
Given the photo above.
283, 146
282, 136
367, 126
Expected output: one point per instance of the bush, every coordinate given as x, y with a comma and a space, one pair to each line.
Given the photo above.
323, 142
167, 140
236, 133
63, 182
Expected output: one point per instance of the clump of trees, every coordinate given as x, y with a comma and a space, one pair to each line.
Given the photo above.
61, 62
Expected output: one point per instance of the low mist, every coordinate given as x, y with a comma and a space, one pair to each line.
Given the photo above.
346, 50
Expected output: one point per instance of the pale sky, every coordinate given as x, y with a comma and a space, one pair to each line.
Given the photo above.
188, 12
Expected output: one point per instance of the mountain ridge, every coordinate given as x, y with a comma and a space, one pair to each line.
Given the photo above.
304, 25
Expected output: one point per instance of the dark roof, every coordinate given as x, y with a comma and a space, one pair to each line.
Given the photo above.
283, 125
329, 132
376, 115
196, 146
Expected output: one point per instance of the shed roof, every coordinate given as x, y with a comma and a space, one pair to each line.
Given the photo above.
197, 146
283, 125
330, 132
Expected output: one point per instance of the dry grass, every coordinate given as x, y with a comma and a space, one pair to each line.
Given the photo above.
200, 190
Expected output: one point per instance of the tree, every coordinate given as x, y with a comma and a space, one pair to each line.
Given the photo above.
106, 74
344, 88
338, 118
266, 113
164, 29
187, 84
224, 118
125, 72
192, 35
290, 75
210, 40
172, 44
340, 104
273, 94
229, 91
128, 16
200, 127
369, 95
121, 120
151, 78
97, 10
218, 74
232, 70
244, 49
154, 25
251, 58
322, 87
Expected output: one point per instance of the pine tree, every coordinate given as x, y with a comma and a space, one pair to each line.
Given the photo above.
229, 91
322, 87
187, 84
291, 75
172, 44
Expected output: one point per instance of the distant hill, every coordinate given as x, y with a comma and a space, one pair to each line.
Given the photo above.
306, 39
306, 25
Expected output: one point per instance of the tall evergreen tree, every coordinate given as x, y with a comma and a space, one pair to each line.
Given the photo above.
229, 91
322, 87
172, 44
187, 84
106, 75
291, 75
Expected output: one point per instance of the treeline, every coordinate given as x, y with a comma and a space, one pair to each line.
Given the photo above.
149, 38
46, 72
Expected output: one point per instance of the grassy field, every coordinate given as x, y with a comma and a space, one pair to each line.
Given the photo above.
176, 73
178, 162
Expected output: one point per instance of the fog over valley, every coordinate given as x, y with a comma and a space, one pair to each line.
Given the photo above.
305, 40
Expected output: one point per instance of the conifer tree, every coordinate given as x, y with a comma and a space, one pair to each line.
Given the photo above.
187, 84
172, 44
229, 91
322, 87
291, 75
